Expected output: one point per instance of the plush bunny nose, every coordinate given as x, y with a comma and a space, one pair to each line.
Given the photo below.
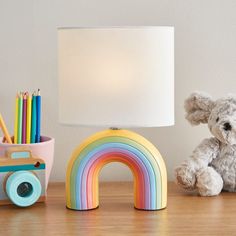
227, 126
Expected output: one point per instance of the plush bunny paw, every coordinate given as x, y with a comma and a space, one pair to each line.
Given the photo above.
209, 182
185, 177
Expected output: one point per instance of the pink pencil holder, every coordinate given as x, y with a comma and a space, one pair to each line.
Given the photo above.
43, 150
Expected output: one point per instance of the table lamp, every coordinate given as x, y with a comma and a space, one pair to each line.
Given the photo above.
116, 77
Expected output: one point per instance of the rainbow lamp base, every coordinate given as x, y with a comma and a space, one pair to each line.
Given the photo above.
143, 159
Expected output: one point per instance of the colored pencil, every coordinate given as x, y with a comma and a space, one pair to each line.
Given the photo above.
4, 129
33, 119
20, 109
24, 117
16, 120
38, 115
28, 133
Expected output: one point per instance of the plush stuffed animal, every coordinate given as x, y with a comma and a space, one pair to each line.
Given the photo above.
212, 166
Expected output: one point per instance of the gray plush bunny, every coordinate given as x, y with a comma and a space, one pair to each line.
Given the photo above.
212, 166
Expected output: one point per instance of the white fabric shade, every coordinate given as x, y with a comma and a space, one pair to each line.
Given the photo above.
116, 77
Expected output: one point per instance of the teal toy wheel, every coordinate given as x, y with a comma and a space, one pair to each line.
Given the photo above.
23, 188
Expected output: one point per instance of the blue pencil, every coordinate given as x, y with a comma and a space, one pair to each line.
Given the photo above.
38, 116
33, 119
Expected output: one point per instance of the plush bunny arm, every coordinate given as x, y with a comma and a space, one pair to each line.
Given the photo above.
204, 153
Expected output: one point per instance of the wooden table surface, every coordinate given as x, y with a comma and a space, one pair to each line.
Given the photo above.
186, 214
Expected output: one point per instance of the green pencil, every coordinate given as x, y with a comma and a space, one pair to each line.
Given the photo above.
20, 110
33, 119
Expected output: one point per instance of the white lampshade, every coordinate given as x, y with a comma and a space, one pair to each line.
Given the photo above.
116, 77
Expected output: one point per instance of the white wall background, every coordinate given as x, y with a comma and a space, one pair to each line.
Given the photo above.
205, 59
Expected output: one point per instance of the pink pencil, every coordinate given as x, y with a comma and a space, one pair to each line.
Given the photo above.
24, 122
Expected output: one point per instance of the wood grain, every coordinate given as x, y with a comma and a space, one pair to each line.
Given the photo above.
186, 214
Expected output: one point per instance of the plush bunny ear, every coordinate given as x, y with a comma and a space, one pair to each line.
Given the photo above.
198, 107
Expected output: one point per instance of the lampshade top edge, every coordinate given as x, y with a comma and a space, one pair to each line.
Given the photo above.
114, 27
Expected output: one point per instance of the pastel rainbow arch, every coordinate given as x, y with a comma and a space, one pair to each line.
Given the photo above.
143, 159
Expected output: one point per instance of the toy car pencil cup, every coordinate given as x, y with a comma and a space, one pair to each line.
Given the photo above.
22, 178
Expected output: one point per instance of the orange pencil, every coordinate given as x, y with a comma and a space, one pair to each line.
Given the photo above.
4, 129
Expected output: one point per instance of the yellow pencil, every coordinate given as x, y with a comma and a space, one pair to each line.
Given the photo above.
16, 120
4, 129
28, 133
